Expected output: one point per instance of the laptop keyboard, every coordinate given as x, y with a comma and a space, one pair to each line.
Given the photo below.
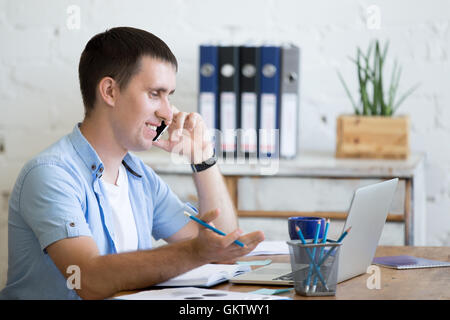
285, 277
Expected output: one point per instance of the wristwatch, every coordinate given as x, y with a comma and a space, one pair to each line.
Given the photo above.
205, 164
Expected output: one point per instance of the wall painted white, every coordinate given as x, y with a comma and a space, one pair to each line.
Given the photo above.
40, 99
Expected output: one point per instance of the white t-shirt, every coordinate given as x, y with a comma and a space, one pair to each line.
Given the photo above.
125, 233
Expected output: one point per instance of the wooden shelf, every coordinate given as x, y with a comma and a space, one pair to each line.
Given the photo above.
332, 215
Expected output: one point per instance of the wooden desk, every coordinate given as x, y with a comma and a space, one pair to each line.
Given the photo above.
416, 284
325, 183
431, 283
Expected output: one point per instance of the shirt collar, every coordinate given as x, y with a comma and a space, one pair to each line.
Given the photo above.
90, 157
131, 166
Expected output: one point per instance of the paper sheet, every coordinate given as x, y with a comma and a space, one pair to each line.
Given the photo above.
270, 248
191, 293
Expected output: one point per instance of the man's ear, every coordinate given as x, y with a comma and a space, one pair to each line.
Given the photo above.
108, 90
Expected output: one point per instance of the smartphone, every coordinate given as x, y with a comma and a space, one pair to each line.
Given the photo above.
159, 131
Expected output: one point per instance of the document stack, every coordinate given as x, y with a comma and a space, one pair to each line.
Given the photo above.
249, 99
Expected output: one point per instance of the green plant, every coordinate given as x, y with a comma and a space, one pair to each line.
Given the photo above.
375, 102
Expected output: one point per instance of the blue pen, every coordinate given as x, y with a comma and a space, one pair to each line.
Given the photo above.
302, 238
334, 248
300, 234
324, 240
203, 223
316, 239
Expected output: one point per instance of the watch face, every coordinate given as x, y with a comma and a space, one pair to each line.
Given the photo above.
211, 160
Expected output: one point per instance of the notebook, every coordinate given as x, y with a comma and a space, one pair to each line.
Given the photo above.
207, 275
408, 262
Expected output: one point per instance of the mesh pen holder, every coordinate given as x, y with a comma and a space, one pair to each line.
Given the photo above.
314, 267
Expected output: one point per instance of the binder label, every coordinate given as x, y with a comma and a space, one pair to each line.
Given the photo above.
289, 124
268, 123
208, 112
249, 125
207, 108
228, 121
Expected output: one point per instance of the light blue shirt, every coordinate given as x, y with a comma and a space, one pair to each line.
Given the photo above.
58, 195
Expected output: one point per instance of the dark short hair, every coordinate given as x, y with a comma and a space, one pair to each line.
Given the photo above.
117, 53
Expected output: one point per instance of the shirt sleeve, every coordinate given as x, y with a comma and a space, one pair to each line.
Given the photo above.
50, 203
168, 214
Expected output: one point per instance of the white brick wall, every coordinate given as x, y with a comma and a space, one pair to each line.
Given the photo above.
40, 99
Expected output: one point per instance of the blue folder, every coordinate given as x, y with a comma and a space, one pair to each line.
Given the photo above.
208, 88
269, 102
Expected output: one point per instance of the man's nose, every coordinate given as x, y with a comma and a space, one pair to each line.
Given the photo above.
165, 112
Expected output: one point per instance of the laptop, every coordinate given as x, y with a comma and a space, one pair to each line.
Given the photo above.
367, 215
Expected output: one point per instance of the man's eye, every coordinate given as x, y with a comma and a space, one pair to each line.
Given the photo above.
154, 94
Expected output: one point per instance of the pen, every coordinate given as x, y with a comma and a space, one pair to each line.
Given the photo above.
203, 223
344, 234
300, 234
317, 270
334, 248
324, 240
316, 239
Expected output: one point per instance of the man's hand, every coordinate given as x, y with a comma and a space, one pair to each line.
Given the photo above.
211, 247
187, 137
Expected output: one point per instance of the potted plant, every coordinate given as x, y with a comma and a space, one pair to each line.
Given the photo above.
373, 131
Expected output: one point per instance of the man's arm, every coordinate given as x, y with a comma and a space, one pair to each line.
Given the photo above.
213, 194
102, 276
187, 135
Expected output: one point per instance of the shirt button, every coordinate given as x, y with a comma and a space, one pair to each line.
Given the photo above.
72, 224
93, 167
101, 169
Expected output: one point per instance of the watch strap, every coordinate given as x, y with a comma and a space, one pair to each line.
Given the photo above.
204, 165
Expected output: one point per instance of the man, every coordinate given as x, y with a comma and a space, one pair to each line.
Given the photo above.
87, 207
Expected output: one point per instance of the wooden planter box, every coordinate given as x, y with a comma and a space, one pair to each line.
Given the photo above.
372, 137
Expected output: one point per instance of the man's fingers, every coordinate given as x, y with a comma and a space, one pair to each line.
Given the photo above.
225, 248
190, 121
231, 237
250, 240
178, 120
163, 144
253, 237
176, 127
